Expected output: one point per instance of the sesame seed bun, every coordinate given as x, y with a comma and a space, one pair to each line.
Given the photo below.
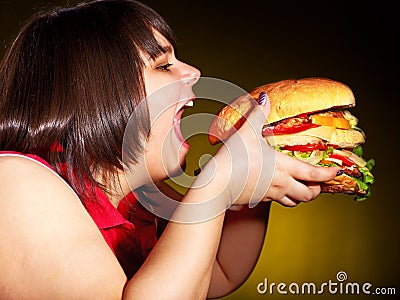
292, 97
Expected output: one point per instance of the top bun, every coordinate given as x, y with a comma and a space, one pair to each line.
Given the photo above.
292, 97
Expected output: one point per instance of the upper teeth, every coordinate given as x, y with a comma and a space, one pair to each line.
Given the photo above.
190, 103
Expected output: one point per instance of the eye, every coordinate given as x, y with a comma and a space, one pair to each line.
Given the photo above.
164, 67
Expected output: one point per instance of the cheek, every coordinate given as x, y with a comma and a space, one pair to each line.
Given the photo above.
153, 157
162, 155
152, 84
162, 90
162, 105
160, 129
155, 80
162, 123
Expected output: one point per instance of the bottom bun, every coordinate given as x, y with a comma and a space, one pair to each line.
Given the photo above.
342, 184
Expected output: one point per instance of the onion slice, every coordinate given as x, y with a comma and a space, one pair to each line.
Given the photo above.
314, 158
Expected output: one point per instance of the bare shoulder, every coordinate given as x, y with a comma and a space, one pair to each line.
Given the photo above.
27, 183
47, 237
17, 173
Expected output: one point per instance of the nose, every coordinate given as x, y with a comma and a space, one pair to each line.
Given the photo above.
190, 74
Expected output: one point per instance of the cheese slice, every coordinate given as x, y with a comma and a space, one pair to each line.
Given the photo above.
309, 136
322, 134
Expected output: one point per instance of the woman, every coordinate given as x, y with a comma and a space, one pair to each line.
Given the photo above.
70, 226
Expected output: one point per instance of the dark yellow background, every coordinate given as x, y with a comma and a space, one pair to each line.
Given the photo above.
254, 42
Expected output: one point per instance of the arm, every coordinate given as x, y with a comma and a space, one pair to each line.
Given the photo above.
241, 242
50, 247
240, 247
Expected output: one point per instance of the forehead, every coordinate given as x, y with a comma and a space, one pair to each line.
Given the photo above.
163, 42
164, 45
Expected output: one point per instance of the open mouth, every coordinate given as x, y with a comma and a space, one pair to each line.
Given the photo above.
177, 124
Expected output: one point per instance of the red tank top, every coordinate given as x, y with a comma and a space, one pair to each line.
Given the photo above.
130, 230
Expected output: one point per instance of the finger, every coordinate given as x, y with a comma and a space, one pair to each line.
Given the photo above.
286, 201
317, 173
305, 172
259, 114
264, 103
300, 191
304, 194
315, 188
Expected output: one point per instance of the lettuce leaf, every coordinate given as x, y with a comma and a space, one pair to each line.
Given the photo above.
366, 180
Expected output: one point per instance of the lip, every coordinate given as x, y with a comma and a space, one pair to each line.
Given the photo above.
184, 103
177, 120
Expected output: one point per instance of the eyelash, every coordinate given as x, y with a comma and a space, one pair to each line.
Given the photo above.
164, 67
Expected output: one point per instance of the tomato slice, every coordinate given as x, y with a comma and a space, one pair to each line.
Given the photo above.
293, 129
279, 130
305, 148
347, 161
291, 125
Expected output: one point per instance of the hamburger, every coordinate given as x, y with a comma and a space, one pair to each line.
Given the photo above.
310, 120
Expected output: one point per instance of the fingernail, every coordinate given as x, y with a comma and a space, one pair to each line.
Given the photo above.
340, 172
262, 98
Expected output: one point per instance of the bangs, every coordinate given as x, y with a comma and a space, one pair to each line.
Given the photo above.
142, 22
135, 21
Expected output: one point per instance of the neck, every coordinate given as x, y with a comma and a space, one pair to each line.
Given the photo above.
116, 185
119, 186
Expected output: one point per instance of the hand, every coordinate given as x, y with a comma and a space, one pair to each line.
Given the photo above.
256, 172
295, 181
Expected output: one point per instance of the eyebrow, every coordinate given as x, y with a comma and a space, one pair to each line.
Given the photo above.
167, 49
164, 49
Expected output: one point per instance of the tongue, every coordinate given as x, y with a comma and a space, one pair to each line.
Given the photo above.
177, 128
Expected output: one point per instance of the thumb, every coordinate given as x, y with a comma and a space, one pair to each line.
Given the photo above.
256, 120
258, 116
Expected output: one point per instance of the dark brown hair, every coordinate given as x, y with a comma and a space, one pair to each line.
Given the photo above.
74, 76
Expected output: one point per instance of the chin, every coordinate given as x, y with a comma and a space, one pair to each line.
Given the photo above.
178, 170
169, 168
